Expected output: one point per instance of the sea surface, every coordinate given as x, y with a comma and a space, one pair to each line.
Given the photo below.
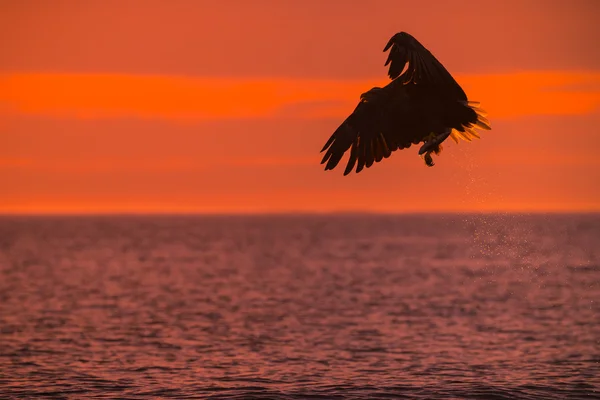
300, 307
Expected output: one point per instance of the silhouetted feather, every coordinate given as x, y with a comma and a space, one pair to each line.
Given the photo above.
369, 158
473, 132
353, 157
385, 146
454, 135
328, 144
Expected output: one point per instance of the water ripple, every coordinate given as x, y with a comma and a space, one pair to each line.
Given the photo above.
300, 307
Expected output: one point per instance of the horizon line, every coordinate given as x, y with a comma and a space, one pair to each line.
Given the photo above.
299, 213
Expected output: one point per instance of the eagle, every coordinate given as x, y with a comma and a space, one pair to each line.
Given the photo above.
422, 104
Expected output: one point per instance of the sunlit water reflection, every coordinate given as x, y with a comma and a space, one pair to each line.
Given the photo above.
297, 306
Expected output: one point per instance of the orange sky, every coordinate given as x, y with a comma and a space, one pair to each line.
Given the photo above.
198, 106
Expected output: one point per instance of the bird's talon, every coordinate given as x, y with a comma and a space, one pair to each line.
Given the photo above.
428, 159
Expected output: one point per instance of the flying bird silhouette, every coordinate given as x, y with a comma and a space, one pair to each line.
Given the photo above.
422, 103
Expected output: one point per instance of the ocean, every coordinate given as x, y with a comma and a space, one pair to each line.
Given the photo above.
481, 306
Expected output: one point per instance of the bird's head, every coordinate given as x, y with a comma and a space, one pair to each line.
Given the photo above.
370, 95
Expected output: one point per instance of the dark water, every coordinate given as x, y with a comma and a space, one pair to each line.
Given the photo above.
331, 307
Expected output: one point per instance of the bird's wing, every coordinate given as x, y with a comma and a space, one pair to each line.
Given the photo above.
422, 69
377, 127
395, 118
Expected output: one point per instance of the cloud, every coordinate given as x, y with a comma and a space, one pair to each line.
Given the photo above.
100, 96
162, 165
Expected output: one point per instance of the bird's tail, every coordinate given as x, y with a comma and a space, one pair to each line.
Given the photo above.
470, 129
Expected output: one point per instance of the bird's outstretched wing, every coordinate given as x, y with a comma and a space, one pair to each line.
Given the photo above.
422, 69
394, 118
382, 122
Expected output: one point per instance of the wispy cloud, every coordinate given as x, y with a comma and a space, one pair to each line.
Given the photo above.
170, 97
162, 165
